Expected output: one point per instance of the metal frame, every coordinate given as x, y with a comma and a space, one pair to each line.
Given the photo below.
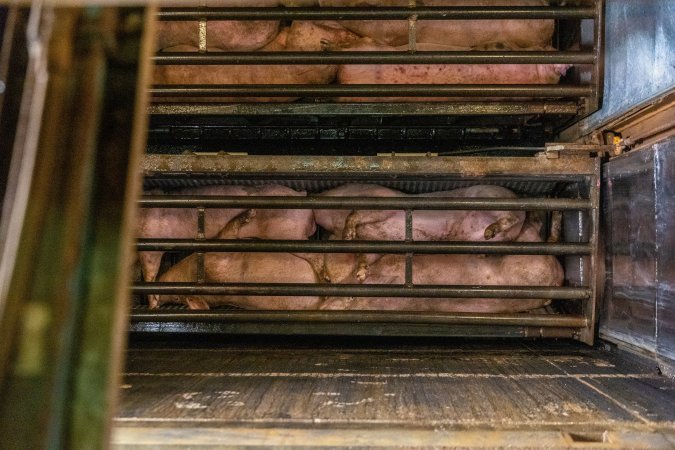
480, 170
587, 95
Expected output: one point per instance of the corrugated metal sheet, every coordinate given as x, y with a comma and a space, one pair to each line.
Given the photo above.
522, 187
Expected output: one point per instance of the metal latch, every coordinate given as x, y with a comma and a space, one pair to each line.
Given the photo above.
554, 150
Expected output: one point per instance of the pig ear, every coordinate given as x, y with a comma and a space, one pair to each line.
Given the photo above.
196, 303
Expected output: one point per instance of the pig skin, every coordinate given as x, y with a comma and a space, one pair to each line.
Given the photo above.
221, 35
300, 36
514, 270
241, 268
427, 225
181, 223
463, 33
441, 73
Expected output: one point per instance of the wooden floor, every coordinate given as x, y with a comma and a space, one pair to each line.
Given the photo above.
391, 393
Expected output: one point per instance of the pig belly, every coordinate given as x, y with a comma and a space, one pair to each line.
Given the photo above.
222, 35
242, 268
181, 223
465, 33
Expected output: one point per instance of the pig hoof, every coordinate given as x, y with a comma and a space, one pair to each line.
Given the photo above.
362, 273
197, 303
491, 231
153, 302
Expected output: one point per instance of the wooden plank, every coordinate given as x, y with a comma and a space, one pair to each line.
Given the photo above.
130, 438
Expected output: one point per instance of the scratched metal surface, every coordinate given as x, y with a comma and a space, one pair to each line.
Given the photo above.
630, 296
530, 389
665, 257
639, 56
639, 307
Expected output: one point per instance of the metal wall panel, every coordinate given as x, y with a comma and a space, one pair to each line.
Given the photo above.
665, 251
639, 306
639, 56
629, 313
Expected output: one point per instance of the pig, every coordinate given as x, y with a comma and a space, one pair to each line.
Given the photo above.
221, 35
441, 73
181, 223
300, 36
241, 268
427, 225
464, 33
514, 270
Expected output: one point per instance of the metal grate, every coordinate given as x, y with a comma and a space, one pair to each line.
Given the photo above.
567, 99
537, 188
571, 183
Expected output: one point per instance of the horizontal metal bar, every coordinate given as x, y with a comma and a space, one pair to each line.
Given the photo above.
377, 203
356, 109
360, 290
389, 247
375, 57
380, 13
368, 169
393, 329
535, 320
372, 90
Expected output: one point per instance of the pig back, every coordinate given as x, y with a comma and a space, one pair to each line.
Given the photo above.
464, 33
243, 268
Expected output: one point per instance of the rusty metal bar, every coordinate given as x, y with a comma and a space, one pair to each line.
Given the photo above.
375, 57
201, 219
487, 108
366, 168
376, 203
373, 90
380, 13
389, 247
593, 278
360, 290
597, 71
409, 254
533, 320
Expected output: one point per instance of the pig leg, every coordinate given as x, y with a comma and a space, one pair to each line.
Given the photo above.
153, 301
234, 226
150, 262
196, 303
500, 225
318, 264
556, 226
359, 218
363, 262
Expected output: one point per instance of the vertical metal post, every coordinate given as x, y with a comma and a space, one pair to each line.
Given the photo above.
593, 102
69, 281
412, 28
201, 236
409, 256
591, 274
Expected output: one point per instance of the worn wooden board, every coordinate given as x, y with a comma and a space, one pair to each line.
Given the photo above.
546, 391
